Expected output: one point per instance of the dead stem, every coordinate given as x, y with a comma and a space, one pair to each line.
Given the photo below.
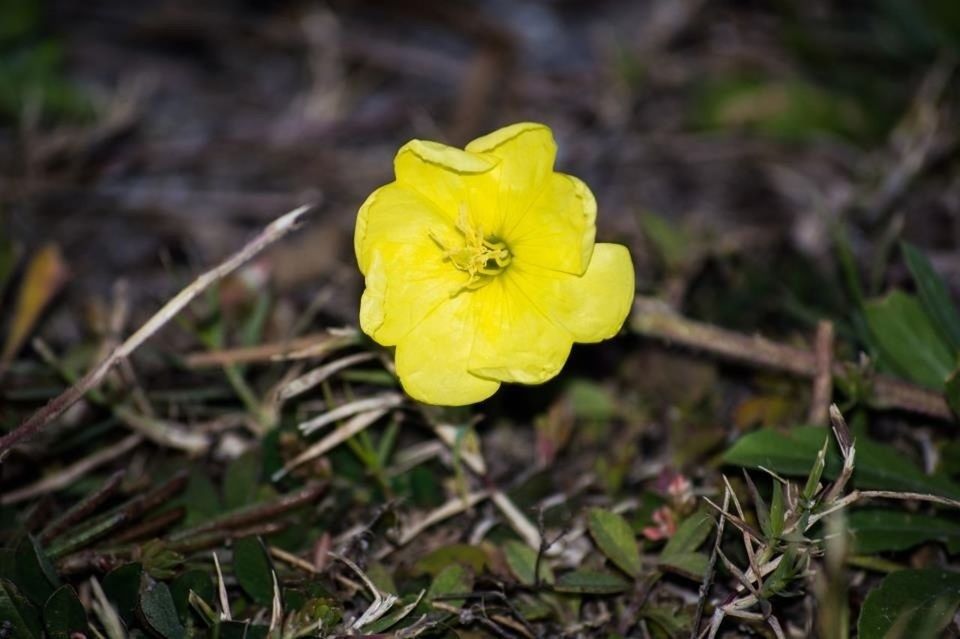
823, 379
653, 319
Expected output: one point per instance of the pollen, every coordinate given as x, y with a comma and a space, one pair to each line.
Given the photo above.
482, 257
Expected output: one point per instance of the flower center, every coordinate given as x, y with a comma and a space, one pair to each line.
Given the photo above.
481, 256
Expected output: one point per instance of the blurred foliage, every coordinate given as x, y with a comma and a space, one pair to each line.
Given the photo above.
32, 74
790, 111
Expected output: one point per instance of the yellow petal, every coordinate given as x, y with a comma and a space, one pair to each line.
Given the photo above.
397, 214
452, 179
406, 274
525, 153
529, 134
515, 342
405, 282
432, 359
557, 231
592, 306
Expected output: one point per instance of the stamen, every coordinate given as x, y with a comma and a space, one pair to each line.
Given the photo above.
481, 257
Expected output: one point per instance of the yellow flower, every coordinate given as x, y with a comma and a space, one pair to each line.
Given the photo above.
481, 267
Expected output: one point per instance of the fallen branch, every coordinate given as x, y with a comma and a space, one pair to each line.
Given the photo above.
55, 407
652, 318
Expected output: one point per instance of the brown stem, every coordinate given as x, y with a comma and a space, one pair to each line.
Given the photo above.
823, 380
652, 319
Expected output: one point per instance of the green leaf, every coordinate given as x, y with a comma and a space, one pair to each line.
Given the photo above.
885, 468
241, 481
590, 400
17, 611
690, 534
591, 582
381, 577
878, 466
878, 530
816, 471
679, 554
910, 603
425, 489
253, 570
786, 454
197, 581
671, 621
781, 577
452, 580
907, 340
933, 294
614, 536
201, 500
951, 391
671, 243
522, 560
159, 611
18, 19
35, 576
63, 614
121, 586
466, 555
777, 510
533, 608
689, 564
792, 110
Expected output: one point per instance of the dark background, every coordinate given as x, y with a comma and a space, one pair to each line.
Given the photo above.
151, 138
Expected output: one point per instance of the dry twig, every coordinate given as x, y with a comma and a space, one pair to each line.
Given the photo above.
823, 380
653, 319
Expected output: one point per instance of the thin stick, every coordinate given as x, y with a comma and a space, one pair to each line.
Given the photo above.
293, 560
823, 380
708, 575
452, 507
351, 427
857, 495
314, 377
320, 344
653, 319
71, 473
55, 407
377, 402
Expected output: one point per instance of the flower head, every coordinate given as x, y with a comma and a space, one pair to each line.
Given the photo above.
481, 268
